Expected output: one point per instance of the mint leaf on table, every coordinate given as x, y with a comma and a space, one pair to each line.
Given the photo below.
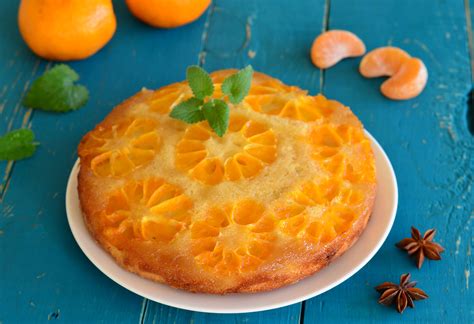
17, 145
217, 113
189, 111
56, 91
199, 81
237, 86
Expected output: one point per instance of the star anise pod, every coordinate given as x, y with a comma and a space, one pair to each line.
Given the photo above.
403, 294
421, 247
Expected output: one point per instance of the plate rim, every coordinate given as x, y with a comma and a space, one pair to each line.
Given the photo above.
71, 193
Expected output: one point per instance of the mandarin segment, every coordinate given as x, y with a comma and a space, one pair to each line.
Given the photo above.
117, 150
236, 237
408, 82
407, 75
150, 209
334, 45
166, 98
294, 104
247, 148
382, 61
335, 148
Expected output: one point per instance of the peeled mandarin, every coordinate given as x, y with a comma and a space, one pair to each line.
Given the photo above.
408, 82
332, 46
382, 61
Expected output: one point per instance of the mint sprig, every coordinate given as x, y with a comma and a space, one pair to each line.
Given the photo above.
56, 91
199, 81
17, 145
215, 111
237, 86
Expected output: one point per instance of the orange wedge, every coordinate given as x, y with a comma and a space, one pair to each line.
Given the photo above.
382, 61
408, 82
332, 46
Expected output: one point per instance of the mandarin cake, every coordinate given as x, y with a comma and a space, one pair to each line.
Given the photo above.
288, 188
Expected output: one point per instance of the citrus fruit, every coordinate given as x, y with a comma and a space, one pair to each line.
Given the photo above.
66, 30
332, 46
167, 13
287, 189
382, 61
408, 82
407, 75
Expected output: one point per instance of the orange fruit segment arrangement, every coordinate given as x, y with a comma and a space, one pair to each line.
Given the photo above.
288, 188
334, 45
66, 30
407, 76
167, 13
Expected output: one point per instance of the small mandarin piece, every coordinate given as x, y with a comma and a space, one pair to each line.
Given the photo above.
167, 13
333, 46
408, 82
407, 75
66, 30
289, 187
382, 61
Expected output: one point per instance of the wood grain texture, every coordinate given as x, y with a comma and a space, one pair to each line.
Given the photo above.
160, 314
44, 275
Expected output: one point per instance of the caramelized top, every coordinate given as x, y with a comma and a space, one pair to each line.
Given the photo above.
291, 169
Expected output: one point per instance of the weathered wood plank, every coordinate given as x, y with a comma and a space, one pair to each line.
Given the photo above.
430, 148
160, 314
259, 33
44, 275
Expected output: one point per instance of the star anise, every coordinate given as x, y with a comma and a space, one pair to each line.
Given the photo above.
421, 247
403, 294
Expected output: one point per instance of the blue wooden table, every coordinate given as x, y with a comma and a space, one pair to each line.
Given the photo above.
430, 141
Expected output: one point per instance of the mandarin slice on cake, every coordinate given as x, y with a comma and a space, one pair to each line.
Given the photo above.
287, 189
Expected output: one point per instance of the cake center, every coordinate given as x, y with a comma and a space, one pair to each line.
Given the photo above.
226, 146
234, 236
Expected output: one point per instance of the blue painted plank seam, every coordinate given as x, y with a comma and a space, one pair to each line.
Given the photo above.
26, 122
143, 311
470, 37
202, 52
325, 27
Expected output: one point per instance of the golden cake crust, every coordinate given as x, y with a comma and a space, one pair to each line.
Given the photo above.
290, 189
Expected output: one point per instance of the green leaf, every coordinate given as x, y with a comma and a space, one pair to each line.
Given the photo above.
55, 91
237, 86
217, 112
17, 144
199, 81
188, 111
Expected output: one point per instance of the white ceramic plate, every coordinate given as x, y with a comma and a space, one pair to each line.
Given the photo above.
338, 271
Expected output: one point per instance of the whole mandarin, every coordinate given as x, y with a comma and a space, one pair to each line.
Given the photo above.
167, 13
66, 30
